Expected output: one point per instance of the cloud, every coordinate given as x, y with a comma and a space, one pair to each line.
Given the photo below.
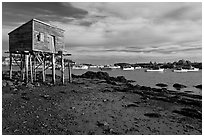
128, 30
24, 11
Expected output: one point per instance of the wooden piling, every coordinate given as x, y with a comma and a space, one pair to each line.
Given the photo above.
21, 67
26, 66
31, 69
53, 68
43, 69
70, 73
10, 66
34, 67
62, 68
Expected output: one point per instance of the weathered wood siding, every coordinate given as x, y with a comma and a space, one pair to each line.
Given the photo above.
46, 31
21, 38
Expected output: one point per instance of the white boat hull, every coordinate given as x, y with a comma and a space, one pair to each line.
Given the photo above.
81, 67
186, 70
128, 68
154, 70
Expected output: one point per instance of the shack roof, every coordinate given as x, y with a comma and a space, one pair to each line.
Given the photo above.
47, 24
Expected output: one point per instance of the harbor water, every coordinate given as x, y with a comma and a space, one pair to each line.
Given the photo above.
190, 79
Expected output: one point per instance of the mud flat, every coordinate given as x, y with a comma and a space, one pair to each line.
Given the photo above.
96, 104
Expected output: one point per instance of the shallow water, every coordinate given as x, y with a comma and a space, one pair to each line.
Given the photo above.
141, 77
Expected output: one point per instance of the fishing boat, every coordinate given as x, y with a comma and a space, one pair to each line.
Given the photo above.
114, 67
80, 67
128, 68
155, 70
186, 70
193, 69
180, 70
138, 67
106, 67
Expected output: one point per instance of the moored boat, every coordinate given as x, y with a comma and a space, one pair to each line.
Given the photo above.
193, 69
180, 70
155, 70
186, 70
128, 68
106, 67
138, 67
80, 67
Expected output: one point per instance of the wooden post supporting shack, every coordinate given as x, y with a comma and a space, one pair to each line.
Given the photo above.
53, 68
26, 66
10, 66
43, 69
31, 68
62, 67
70, 73
34, 67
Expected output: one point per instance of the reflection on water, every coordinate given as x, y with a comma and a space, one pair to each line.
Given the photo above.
141, 77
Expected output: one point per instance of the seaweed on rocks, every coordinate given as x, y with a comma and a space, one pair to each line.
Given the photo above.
198, 86
161, 85
189, 112
179, 86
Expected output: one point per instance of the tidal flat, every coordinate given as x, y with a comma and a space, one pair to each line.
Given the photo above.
96, 104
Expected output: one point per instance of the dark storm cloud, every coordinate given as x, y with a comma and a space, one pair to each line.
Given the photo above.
14, 12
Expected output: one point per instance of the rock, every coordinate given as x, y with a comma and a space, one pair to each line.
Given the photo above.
111, 82
63, 92
101, 124
189, 101
189, 112
145, 88
179, 86
102, 75
121, 79
130, 105
94, 75
29, 85
105, 100
107, 90
9, 83
47, 97
25, 98
161, 85
37, 84
4, 83
153, 115
188, 91
198, 86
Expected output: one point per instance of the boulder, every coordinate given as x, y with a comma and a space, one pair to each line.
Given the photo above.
121, 79
29, 85
93, 75
161, 85
9, 83
179, 86
102, 75
145, 88
4, 83
198, 86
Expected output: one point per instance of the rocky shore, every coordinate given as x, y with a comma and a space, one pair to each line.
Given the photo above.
95, 103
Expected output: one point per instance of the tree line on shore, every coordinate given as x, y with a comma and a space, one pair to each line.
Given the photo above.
170, 65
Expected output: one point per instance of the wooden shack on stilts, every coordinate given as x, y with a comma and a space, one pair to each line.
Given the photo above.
36, 44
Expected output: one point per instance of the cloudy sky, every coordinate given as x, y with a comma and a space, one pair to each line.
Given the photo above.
103, 33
